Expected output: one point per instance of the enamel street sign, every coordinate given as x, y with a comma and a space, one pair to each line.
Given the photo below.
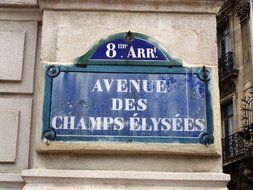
102, 98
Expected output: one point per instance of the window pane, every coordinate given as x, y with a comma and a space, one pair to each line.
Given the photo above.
227, 119
230, 126
230, 109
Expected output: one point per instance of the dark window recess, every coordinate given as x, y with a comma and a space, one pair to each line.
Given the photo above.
227, 119
223, 35
226, 67
226, 56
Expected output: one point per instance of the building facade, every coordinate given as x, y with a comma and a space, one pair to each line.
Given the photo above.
39, 37
235, 78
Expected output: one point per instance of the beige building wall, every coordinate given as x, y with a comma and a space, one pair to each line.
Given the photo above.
56, 32
19, 22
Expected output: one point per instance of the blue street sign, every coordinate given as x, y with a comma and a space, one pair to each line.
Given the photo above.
127, 88
128, 49
163, 106
121, 50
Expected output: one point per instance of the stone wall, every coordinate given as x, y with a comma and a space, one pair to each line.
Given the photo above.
57, 32
18, 52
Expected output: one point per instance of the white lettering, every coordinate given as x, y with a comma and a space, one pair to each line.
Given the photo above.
107, 121
108, 84
141, 53
97, 86
68, 122
166, 124
144, 125
150, 53
161, 86
129, 104
116, 104
155, 123
136, 85
81, 124
134, 125
148, 86
121, 85
95, 124
119, 123
176, 124
131, 53
142, 104
188, 124
55, 121
200, 125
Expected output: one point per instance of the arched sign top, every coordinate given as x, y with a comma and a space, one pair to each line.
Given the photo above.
128, 49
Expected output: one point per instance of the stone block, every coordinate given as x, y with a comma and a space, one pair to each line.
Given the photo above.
186, 6
37, 179
11, 181
19, 3
68, 35
26, 14
17, 50
8, 135
14, 133
12, 55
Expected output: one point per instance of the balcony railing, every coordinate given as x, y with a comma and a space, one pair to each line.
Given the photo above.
226, 66
237, 146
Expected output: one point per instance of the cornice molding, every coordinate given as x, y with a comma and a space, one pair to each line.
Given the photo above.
19, 3
24, 14
243, 11
188, 6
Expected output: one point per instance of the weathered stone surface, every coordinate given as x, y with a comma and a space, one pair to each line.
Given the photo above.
70, 34
11, 181
130, 148
66, 179
23, 3
11, 53
23, 105
187, 6
8, 135
186, 31
24, 65
67, 35
25, 14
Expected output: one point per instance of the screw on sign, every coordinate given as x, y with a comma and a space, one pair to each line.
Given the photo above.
53, 71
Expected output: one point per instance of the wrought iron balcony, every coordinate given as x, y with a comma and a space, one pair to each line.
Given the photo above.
237, 146
226, 66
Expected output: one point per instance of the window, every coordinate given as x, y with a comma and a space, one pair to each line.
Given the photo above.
227, 119
224, 37
225, 42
